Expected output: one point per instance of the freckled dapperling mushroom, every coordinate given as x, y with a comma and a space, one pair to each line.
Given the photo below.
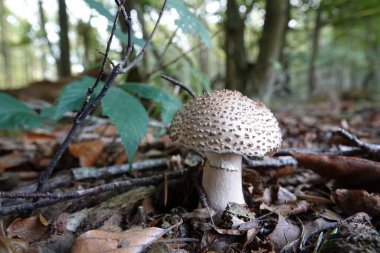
224, 125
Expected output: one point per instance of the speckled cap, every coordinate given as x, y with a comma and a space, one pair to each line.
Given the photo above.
226, 122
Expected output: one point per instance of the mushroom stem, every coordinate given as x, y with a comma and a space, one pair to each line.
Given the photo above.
222, 180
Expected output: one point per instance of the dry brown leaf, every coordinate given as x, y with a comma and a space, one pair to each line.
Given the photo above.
12, 160
88, 152
347, 170
29, 229
354, 201
41, 138
283, 233
8, 245
97, 241
287, 209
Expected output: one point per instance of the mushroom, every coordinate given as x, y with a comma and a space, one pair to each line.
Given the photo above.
224, 125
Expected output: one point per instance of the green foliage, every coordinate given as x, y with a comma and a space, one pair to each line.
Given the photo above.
189, 23
129, 116
15, 114
169, 104
72, 97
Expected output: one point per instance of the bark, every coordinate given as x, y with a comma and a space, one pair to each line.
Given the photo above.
312, 75
5, 46
64, 61
263, 75
236, 60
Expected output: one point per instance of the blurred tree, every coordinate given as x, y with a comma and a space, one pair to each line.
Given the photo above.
5, 45
263, 75
42, 20
234, 47
64, 45
312, 75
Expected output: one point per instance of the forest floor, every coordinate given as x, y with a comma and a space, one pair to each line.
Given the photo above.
319, 193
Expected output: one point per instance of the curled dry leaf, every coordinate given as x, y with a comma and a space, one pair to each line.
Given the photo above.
11, 160
13, 245
88, 152
284, 233
97, 241
347, 170
29, 229
287, 209
354, 201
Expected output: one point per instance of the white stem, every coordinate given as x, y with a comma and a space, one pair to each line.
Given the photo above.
222, 180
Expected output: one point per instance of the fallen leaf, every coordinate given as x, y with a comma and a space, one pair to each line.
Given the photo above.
11, 160
287, 209
13, 245
29, 229
284, 232
351, 171
95, 241
88, 152
354, 201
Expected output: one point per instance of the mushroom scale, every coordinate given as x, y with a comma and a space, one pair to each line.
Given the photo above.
226, 122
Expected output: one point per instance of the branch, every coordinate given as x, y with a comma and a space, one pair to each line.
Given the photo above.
53, 198
88, 106
139, 56
175, 60
372, 149
271, 162
92, 173
342, 150
182, 85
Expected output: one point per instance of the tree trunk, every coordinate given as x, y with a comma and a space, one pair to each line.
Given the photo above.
64, 61
372, 52
42, 17
312, 78
236, 60
263, 75
5, 47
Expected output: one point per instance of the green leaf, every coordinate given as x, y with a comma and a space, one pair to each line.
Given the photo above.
169, 104
73, 96
129, 117
15, 114
189, 23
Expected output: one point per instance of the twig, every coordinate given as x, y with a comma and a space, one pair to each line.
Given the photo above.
372, 149
58, 197
125, 68
271, 162
341, 150
88, 106
175, 60
182, 85
91, 173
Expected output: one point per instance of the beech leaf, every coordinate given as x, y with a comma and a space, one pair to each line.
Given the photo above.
129, 117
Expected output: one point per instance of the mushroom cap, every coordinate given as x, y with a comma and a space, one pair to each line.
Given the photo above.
226, 122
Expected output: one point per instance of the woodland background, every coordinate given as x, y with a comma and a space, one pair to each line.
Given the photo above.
282, 49
314, 63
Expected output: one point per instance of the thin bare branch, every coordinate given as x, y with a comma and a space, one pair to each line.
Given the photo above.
140, 55
58, 197
182, 85
372, 149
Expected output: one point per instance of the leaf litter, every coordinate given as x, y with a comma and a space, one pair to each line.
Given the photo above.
325, 199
